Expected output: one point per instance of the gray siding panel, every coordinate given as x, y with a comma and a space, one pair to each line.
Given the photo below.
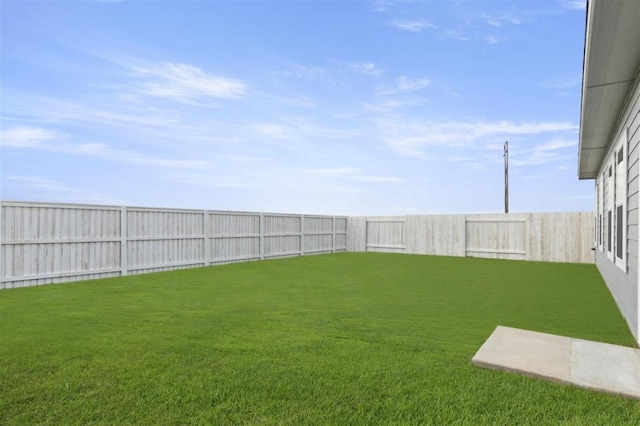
623, 285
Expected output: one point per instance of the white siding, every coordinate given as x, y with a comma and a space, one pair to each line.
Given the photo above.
623, 284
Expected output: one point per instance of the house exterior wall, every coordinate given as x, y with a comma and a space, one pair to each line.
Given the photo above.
622, 282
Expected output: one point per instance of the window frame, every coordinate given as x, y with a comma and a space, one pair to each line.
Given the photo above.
610, 208
599, 215
620, 201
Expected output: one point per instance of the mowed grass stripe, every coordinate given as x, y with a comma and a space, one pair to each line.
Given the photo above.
354, 338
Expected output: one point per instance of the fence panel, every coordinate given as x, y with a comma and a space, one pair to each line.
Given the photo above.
234, 237
385, 235
45, 243
161, 239
497, 236
552, 237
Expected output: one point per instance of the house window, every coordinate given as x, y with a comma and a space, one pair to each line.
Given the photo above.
610, 194
620, 201
599, 208
609, 233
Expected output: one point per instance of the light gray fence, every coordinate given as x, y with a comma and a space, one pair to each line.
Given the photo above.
43, 243
553, 237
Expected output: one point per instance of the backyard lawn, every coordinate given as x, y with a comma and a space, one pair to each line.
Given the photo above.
352, 338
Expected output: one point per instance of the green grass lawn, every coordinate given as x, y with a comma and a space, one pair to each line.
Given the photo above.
357, 338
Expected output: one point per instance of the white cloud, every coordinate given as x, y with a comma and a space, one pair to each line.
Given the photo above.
275, 131
37, 138
366, 68
412, 26
455, 35
301, 130
186, 82
220, 181
501, 19
354, 174
405, 84
544, 153
310, 72
556, 144
26, 137
392, 104
411, 137
576, 4
381, 5
39, 186
493, 39
106, 152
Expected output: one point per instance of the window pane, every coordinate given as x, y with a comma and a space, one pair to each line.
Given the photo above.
600, 230
620, 156
619, 231
609, 231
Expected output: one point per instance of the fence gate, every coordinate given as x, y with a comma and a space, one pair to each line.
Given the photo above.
385, 235
503, 238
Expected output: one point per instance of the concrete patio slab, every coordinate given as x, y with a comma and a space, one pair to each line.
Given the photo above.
599, 366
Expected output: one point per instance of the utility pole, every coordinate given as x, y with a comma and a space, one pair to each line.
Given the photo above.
506, 177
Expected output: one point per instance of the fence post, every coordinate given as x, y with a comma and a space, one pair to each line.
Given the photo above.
1, 263
464, 240
124, 267
333, 234
206, 225
301, 235
261, 232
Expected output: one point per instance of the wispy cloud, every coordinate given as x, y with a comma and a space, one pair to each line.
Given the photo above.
575, 4
310, 72
493, 39
405, 84
26, 137
386, 104
455, 35
51, 140
557, 144
412, 25
381, 5
412, 137
498, 20
186, 82
354, 174
544, 153
366, 68
45, 189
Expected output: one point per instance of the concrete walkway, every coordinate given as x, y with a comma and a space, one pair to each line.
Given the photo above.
592, 365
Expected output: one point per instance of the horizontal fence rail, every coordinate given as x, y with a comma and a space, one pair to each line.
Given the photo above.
45, 243
551, 237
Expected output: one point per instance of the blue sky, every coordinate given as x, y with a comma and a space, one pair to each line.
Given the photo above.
332, 107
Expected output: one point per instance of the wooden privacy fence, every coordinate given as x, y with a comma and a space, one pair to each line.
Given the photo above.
552, 237
43, 243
